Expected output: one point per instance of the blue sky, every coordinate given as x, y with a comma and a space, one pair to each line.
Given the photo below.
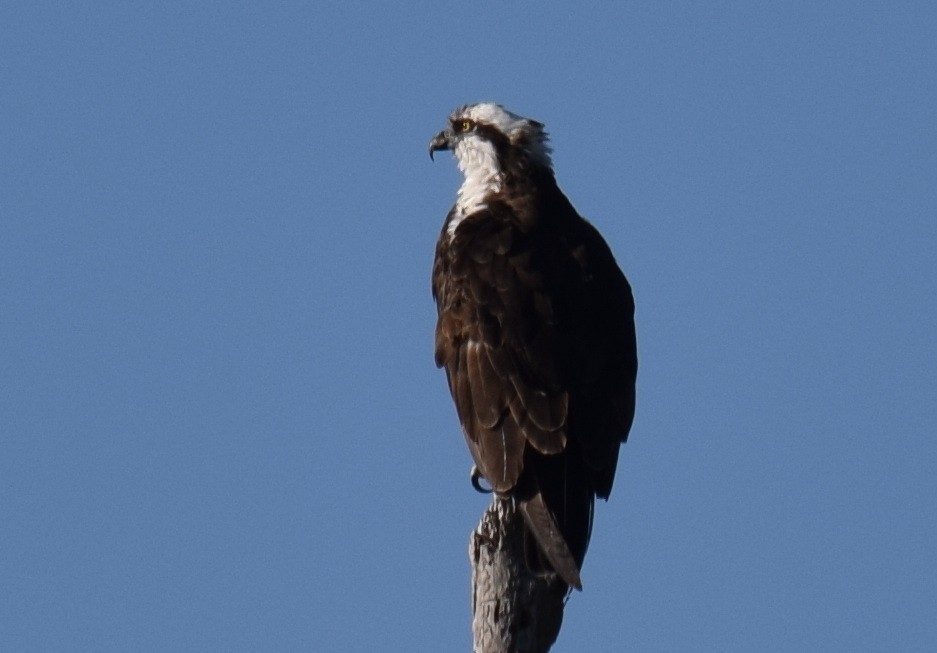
220, 423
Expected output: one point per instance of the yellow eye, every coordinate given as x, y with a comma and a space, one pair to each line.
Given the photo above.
466, 126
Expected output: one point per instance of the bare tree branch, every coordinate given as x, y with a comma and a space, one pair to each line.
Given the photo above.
514, 610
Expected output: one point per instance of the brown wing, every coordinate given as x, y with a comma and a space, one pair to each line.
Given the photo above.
495, 336
603, 367
536, 333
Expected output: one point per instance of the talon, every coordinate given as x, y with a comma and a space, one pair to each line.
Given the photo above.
476, 475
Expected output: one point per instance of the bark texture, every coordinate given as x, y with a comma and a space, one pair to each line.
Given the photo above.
514, 610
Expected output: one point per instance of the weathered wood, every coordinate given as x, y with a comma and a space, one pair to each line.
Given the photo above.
513, 609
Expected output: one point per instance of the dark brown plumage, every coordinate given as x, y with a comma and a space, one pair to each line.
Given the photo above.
535, 331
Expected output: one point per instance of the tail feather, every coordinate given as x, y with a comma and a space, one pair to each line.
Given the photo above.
549, 538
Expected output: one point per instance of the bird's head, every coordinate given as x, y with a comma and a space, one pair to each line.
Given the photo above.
485, 137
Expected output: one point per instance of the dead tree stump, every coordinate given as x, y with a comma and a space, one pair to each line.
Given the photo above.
514, 610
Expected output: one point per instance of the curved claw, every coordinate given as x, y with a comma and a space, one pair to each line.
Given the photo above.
476, 476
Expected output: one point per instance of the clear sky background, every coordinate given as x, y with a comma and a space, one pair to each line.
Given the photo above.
220, 423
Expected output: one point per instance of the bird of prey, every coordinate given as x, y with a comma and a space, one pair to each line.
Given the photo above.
535, 329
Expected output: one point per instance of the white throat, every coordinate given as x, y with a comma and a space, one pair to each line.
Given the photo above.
478, 162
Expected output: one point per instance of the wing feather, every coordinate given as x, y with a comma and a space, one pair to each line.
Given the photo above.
488, 389
500, 454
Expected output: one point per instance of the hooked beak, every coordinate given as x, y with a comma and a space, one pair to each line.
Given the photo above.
441, 141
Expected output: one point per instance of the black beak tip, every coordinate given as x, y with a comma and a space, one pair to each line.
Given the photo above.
440, 142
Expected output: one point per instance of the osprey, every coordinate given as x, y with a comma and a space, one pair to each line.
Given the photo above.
535, 330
